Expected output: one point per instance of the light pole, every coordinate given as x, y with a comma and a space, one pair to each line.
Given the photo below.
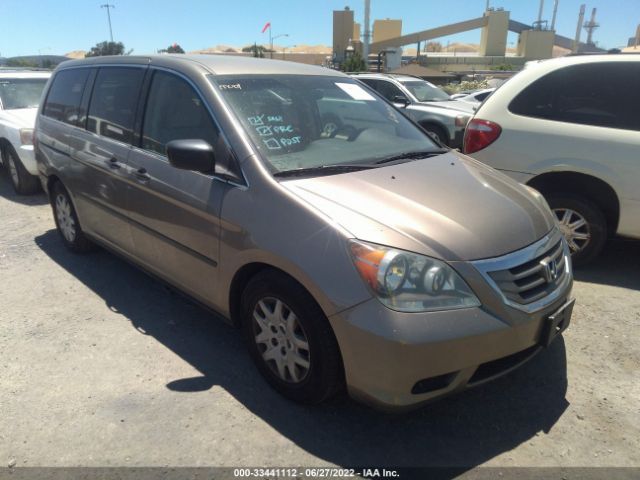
271, 39
108, 6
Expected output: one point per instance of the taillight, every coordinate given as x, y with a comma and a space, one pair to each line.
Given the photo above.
480, 134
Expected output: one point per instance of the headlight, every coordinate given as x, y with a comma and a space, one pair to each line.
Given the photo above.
26, 136
409, 282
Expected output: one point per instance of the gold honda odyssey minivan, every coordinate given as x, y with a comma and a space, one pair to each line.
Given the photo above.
352, 250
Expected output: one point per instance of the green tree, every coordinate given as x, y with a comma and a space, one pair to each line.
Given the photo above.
258, 51
107, 48
355, 63
17, 62
175, 48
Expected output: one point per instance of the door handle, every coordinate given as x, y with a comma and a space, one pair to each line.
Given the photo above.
142, 175
113, 162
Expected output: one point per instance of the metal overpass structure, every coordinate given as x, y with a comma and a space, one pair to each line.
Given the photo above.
473, 24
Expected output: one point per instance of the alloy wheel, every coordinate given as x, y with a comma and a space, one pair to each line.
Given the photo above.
574, 227
66, 223
281, 340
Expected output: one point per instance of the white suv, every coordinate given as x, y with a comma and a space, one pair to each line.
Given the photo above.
570, 127
19, 98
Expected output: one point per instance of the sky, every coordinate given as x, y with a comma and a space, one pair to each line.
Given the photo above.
51, 27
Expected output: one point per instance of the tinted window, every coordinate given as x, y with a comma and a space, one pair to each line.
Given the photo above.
113, 102
600, 94
63, 100
388, 90
174, 111
21, 92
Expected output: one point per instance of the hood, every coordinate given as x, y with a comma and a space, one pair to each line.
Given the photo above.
456, 105
449, 207
21, 117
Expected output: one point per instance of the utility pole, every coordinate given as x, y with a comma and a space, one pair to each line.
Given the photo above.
367, 32
108, 6
576, 41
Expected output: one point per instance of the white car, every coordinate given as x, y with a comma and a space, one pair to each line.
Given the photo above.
20, 93
562, 127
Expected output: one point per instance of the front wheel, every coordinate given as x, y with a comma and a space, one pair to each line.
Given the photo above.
437, 133
290, 340
583, 225
23, 182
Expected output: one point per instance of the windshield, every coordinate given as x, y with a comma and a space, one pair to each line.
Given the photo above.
21, 92
425, 92
306, 122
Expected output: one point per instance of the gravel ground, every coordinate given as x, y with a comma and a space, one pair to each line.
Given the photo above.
102, 366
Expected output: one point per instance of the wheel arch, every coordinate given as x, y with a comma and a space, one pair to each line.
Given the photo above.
596, 190
243, 276
429, 122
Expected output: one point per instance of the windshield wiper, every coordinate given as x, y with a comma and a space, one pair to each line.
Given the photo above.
412, 155
324, 170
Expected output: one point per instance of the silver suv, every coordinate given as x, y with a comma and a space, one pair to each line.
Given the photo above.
431, 107
365, 256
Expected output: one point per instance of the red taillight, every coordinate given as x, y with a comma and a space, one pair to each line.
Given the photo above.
480, 134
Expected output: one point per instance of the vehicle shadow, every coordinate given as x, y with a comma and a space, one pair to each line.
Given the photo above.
7, 191
462, 431
618, 265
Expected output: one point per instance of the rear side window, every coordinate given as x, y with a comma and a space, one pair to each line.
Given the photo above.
599, 94
113, 102
63, 100
174, 112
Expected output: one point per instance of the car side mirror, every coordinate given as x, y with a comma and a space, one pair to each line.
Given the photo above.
191, 154
401, 99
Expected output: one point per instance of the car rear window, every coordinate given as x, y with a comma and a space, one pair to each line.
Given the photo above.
65, 94
21, 92
601, 94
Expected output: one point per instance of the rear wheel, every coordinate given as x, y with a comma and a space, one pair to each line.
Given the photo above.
583, 225
67, 221
290, 340
23, 182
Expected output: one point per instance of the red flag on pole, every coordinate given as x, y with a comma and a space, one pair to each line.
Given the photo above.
266, 25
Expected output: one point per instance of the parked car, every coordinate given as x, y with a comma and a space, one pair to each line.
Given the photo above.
365, 256
428, 105
19, 97
562, 127
475, 98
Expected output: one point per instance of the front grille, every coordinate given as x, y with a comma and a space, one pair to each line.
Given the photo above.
531, 281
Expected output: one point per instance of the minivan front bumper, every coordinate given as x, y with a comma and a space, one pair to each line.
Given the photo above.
398, 360
395, 360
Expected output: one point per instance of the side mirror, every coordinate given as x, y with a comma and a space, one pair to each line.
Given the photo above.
404, 101
194, 154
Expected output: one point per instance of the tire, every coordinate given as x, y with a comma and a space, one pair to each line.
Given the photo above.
323, 376
441, 135
23, 182
67, 223
331, 124
594, 228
